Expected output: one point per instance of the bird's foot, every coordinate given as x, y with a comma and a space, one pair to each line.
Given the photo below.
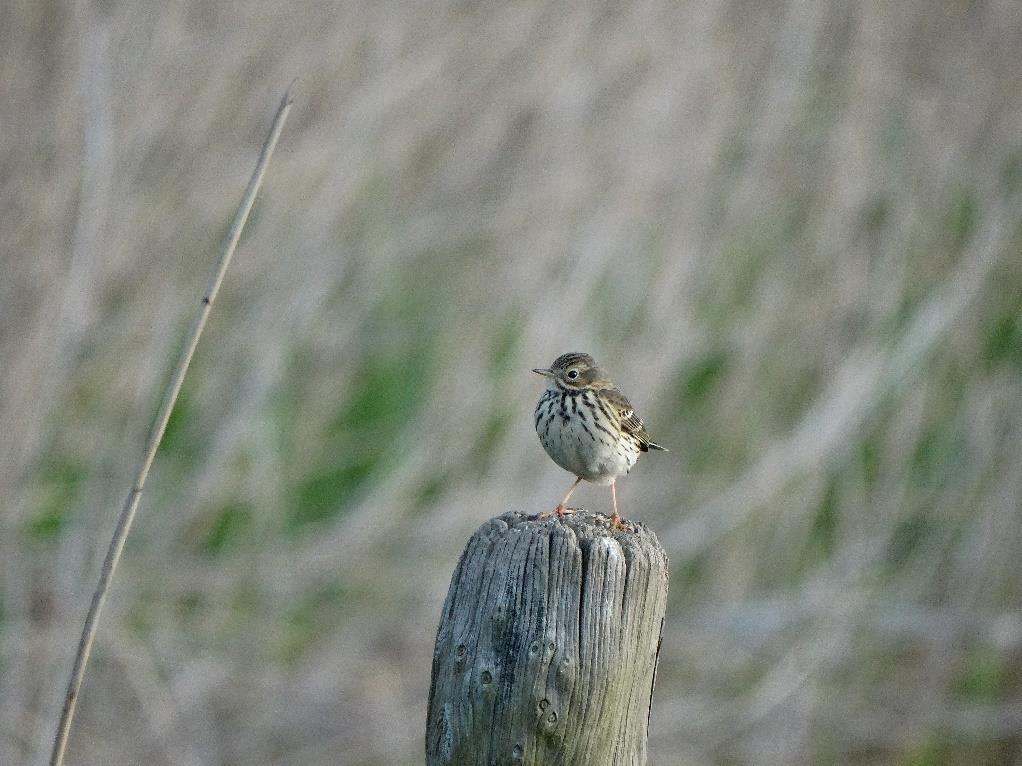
617, 523
560, 512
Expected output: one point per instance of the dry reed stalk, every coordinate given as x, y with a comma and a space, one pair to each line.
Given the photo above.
124, 522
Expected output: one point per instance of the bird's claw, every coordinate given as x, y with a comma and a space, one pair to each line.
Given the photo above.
560, 512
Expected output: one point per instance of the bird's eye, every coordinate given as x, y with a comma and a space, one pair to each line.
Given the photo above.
572, 374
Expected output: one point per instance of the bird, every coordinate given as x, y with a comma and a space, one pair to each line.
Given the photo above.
588, 427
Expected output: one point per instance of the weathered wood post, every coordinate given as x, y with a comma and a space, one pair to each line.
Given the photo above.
547, 645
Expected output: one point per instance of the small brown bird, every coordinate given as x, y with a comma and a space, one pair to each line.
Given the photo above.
587, 426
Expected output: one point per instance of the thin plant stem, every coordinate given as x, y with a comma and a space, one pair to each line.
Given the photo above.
124, 522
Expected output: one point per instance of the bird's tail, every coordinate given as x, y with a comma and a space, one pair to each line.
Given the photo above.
653, 445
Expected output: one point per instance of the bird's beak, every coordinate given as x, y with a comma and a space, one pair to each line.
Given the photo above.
544, 371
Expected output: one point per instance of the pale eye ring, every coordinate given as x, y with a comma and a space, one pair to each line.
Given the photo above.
572, 374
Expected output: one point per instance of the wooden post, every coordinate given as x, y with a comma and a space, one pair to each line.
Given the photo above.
547, 645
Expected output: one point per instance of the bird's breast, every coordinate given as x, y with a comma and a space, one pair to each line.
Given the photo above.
579, 437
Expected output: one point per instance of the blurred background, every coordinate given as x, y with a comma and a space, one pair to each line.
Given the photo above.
789, 230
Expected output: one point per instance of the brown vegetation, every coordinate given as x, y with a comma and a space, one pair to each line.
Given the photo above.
789, 230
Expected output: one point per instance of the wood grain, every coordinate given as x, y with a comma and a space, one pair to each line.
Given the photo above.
547, 645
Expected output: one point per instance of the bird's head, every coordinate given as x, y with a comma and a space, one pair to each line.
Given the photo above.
573, 370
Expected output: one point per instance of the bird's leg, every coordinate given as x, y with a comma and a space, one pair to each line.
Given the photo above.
560, 510
615, 520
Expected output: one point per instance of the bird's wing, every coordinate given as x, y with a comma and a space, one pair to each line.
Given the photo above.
630, 422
